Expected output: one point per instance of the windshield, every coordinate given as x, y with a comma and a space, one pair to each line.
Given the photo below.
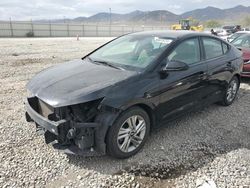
242, 41
132, 52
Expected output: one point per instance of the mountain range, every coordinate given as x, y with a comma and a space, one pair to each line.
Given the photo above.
230, 15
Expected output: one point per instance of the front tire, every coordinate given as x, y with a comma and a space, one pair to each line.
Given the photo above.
128, 134
231, 91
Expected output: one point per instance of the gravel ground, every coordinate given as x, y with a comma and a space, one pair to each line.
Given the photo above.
211, 146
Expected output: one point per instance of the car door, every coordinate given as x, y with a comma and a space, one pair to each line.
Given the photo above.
182, 90
219, 64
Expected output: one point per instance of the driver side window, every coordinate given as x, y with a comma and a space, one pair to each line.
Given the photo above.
188, 52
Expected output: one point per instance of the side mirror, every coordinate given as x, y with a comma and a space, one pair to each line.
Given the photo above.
175, 66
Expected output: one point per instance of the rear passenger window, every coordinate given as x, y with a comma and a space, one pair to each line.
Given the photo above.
225, 47
213, 48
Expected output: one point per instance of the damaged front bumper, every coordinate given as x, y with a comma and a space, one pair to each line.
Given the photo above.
33, 116
71, 137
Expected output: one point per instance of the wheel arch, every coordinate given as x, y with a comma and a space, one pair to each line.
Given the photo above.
238, 76
148, 109
128, 112
150, 113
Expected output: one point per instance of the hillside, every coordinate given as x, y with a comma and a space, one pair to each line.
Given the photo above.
162, 16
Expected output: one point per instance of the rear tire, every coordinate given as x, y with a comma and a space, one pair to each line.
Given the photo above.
128, 134
231, 92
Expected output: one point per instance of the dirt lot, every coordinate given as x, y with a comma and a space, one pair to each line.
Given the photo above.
212, 145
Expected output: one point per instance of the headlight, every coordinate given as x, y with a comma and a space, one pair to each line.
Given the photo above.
29, 94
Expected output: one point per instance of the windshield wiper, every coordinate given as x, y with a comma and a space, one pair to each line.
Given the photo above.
105, 63
108, 64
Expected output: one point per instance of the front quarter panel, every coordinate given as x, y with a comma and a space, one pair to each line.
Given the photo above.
141, 89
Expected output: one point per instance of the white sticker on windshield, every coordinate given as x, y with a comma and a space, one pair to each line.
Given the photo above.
161, 40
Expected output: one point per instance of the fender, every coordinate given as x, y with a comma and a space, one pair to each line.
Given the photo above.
106, 119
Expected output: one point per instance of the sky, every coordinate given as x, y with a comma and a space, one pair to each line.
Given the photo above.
59, 9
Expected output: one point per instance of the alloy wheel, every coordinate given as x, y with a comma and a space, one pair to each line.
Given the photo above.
131, 133
232, 90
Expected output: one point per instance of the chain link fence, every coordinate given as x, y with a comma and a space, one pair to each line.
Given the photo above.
33, 29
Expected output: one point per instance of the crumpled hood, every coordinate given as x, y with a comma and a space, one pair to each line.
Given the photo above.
75, 82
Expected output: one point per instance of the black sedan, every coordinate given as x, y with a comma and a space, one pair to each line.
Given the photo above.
109, 101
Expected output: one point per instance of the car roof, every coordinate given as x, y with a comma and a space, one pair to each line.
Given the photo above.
243, 32
170, 33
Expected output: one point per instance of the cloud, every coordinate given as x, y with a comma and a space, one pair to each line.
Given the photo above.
48, 9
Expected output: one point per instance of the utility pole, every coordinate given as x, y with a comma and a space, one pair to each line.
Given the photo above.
110, 22
11, 28
145, 17
32, 27
161, 17
50, 32
110, 17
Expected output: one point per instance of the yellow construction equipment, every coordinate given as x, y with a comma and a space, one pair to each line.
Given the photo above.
187, 24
